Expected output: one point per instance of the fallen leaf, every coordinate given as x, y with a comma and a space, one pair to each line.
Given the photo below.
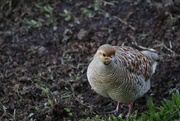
82, 34
5, 90
16, 86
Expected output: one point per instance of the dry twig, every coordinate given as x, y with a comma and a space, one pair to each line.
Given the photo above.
125, 22
139, 46
160, 45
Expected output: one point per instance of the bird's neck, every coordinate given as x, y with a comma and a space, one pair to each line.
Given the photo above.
106, 68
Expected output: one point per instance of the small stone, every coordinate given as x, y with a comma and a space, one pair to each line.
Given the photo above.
41, 50
82, 34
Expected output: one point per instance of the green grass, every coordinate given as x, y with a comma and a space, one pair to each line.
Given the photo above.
168, 111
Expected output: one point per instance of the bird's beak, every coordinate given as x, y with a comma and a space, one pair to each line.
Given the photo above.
114, 59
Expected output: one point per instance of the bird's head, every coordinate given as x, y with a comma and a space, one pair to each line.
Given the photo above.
106, 53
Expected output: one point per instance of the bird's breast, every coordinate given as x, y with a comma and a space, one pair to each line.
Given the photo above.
103, 79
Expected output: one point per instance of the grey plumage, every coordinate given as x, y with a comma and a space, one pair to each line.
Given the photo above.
121, 73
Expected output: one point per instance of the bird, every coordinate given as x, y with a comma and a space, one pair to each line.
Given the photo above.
121, 73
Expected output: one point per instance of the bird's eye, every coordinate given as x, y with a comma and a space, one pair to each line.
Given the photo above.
104, 55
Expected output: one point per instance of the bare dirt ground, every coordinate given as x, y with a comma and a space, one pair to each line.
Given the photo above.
46, 46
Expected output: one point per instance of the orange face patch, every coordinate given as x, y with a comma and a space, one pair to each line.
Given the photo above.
110, 52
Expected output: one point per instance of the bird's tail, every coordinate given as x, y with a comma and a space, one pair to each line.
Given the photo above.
154, 57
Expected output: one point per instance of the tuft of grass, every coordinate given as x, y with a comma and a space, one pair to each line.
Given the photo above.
168, 111
46, 90
48, 9
68, 111
36, 108
50, 102
68, 16
37, 80
32, 23
87, 12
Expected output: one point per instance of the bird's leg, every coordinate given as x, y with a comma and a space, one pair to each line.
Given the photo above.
130, 110
117, 108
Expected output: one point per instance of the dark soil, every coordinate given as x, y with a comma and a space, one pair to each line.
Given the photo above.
45, 51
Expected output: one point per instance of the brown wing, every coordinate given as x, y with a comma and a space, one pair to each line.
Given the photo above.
134, 61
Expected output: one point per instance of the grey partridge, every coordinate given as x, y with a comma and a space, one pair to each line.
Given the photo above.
121, 73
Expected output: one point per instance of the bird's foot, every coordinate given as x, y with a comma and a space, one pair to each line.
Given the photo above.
116, 110
127, 116
112, 112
